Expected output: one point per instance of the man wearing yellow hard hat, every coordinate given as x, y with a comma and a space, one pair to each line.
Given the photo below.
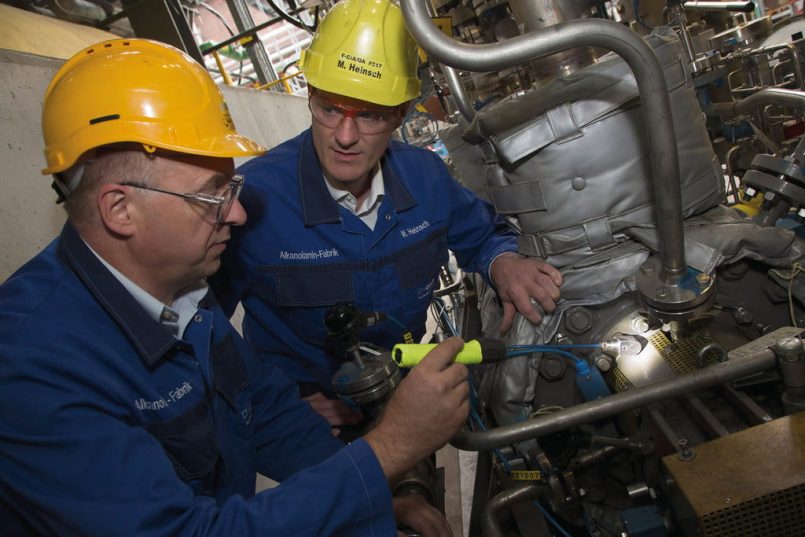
344, 214
129, 406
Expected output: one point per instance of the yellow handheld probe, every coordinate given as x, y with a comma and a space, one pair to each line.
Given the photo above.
475, 351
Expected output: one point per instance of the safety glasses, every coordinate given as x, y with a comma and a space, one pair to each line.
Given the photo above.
222, 204
368, 120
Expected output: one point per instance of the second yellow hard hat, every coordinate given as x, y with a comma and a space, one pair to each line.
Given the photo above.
363, 50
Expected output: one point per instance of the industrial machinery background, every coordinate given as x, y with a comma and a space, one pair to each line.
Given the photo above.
660, 169
653, 153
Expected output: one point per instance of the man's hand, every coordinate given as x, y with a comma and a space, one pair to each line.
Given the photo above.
518, 280
334, 411
428, 407
414, 511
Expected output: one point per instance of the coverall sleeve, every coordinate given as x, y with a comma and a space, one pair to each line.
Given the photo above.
72, 464
476, 233
289, 433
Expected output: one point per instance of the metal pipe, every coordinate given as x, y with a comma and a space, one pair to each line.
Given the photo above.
221, 69
736, 196
457, 90
245, 35
615, 404
625, 443
662, 425
795, 64
499, 502
256, 50
678, 16
746, 405
458, 93
739, 7
593, 457
656, 104
766, 96
703, 417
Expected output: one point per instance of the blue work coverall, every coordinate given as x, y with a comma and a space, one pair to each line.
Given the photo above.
300, 253
111, 426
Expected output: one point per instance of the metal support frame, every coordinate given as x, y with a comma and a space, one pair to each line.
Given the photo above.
244, 36
257, 52
162, 20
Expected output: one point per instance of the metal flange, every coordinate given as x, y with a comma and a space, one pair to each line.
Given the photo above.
781, 166
672, 301
369, 382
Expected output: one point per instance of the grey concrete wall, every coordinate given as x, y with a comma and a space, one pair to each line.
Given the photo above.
29, 217
270, 118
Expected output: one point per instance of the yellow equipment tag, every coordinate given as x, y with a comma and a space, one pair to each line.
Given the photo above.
445, 24
526, 475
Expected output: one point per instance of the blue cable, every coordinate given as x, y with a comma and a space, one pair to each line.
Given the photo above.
453, 330
480, 423
502, 458
552, 520
395, 321
522, 350
581, 367
638, 18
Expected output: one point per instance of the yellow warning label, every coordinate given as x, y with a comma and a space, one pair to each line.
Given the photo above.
526, 475
445, 24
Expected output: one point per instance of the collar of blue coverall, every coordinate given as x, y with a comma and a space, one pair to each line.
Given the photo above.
318, 205
151, 339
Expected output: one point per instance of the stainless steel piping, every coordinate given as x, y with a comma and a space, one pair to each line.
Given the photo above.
795, 60
678, 16
742, 7
778, 96
496, 504
733, 182
766, 96
457, 90
637, 54
458, 93
614, 404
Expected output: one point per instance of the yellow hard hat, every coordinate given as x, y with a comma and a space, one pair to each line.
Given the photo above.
136, 90
363, 50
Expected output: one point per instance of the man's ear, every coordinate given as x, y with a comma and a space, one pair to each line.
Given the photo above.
116, 209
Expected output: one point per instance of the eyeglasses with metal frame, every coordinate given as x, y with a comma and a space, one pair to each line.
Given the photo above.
223, 203
368, 120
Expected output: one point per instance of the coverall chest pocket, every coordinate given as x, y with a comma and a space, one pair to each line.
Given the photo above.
231, 380
419, 264
305, 297
189, 442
